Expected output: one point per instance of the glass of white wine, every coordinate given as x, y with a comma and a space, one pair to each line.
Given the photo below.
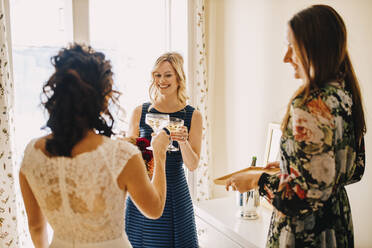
174, 125
157, 122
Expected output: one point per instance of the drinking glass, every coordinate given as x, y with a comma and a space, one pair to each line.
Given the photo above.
174, 125
248, 203
157, 122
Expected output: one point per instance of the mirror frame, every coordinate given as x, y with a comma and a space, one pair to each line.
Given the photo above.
269, 142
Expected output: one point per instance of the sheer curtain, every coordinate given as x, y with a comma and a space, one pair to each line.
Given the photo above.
12, 216
199, 89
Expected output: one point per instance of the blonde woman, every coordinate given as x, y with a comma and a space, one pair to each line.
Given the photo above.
176, 227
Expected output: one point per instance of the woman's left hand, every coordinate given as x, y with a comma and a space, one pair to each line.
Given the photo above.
181, 136
243, 182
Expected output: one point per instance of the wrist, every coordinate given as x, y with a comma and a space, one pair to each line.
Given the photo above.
183, 143
256, 180
159, 155
159, 161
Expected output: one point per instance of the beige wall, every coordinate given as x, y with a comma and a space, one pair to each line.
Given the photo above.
250, 86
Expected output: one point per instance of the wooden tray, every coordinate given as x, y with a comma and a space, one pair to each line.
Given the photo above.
222, 180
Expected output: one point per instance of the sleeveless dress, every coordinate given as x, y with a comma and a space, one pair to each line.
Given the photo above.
176, 227
80, 196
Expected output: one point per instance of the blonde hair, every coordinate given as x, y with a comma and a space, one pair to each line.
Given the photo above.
176, 60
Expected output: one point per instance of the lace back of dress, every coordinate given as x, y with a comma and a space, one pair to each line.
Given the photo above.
80, 196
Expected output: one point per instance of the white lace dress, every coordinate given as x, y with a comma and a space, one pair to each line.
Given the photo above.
80, 196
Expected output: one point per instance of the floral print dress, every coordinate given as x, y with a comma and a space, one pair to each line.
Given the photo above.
319, 156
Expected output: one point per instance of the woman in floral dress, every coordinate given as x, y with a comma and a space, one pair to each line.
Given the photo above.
322, 146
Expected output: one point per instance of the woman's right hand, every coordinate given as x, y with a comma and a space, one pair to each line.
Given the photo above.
243, 181
160, 142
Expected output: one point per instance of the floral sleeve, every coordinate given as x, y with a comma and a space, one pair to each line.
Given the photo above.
308, 162
356, 174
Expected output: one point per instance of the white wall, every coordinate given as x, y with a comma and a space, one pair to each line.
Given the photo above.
251, 86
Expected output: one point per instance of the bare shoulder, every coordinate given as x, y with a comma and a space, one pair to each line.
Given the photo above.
197, 117
136, 114
137, 110
134, 122
196, 122
40, 142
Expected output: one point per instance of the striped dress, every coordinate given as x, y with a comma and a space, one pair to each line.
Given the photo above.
176, 227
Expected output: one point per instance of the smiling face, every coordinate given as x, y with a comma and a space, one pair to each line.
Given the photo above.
165, 79
292, 56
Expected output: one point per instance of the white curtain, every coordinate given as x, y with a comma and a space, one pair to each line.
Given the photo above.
12, 216
199, 91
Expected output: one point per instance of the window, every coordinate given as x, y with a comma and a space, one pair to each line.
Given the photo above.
131, 33
35, 38
133, 37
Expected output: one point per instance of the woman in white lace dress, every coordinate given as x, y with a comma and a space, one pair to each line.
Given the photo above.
76, 178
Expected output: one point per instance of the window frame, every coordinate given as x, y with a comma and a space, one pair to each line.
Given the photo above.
79, 10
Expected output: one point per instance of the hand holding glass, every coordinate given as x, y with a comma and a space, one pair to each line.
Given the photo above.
174, 125
157, 122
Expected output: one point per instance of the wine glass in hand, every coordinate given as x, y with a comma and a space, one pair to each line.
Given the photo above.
174, 125
157, 122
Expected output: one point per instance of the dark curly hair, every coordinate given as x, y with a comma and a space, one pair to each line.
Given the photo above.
77, 97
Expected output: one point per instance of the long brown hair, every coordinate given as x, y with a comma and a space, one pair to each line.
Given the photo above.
321, 37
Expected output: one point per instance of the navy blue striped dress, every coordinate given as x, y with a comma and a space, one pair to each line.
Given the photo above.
176, 227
